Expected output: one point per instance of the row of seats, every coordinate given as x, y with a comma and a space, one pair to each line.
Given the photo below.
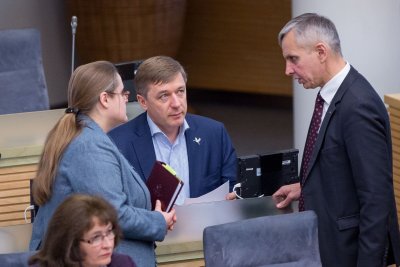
22, 79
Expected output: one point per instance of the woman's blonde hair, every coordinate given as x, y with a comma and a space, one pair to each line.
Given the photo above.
85, 86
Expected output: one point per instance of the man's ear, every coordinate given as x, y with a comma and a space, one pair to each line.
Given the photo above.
322, 51
104, 100
142, 101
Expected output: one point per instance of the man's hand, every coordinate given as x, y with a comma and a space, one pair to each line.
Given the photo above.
230, 196
286, 194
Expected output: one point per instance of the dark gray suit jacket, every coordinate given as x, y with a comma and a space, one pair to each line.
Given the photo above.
350, 184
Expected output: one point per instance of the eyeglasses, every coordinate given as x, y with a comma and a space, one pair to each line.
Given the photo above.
97, 240
125, 93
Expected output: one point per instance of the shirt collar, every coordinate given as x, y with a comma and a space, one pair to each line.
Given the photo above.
154, 129
329, 90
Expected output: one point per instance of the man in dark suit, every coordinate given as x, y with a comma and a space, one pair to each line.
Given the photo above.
198, 148
346, 173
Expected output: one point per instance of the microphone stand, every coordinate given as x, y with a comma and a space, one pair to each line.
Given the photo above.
74, 25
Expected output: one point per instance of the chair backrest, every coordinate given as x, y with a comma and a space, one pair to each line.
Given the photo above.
22, 80
127, 71
19, 259
279, 240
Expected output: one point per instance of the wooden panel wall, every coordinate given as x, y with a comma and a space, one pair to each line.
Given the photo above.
232, 45
224, 44
394, 111
125, 30
395, 125
187, 263
15, 193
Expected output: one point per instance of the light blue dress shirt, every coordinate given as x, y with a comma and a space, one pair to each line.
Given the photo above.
174, 155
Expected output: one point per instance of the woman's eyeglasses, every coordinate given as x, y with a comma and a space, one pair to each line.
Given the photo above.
125, 93
97, 240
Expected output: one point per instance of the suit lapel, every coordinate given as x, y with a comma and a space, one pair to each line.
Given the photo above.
193, 153
144, 149
329, 113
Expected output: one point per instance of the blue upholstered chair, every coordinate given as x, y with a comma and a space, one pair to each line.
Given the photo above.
19, 259
22, 80
289, 240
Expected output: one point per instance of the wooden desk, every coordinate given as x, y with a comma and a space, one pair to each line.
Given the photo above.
15, 238
21, 142
189, 254
184, 245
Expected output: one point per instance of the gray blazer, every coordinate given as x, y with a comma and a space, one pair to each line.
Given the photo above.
92, 164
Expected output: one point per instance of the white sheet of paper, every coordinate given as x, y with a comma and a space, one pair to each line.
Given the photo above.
217, 194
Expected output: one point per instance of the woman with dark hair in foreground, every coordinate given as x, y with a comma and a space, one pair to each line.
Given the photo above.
82, 232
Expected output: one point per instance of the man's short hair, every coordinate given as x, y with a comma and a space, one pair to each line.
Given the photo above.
156, 70
310, 28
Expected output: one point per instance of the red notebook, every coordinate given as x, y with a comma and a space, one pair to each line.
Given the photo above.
163, 185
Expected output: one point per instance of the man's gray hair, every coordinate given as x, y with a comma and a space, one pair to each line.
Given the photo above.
311, 28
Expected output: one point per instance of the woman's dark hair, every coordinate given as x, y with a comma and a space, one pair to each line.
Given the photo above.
71, 220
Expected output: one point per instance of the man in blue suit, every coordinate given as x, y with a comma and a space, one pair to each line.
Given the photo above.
346, 174
198, 148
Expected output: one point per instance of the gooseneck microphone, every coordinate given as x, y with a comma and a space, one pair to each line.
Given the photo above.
74, 25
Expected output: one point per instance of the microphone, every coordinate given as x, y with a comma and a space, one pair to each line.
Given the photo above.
74, 24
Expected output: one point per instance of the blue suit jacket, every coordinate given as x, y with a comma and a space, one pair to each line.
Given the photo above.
211, 163
92, 164
350, 184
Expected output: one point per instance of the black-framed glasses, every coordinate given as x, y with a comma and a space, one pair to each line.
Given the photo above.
125, 93
97, 240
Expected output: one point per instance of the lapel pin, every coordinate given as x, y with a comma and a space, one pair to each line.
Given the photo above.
197, 140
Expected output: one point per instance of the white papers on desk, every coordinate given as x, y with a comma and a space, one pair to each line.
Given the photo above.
217, 194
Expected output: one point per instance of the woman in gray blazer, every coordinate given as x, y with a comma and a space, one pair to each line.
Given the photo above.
79, 157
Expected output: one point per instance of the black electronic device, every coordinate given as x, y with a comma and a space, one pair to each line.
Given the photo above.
278, 168
127, 71
249, 172
264, 174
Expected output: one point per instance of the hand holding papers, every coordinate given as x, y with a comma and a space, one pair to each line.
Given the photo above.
163, 185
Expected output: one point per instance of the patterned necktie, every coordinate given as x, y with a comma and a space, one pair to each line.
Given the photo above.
310, 142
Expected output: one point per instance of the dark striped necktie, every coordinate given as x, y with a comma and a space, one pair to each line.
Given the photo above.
310, 142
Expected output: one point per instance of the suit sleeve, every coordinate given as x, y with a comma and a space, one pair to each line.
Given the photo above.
367, 139
96, 170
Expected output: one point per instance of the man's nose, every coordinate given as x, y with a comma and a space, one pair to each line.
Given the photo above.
175, 100
289, 69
